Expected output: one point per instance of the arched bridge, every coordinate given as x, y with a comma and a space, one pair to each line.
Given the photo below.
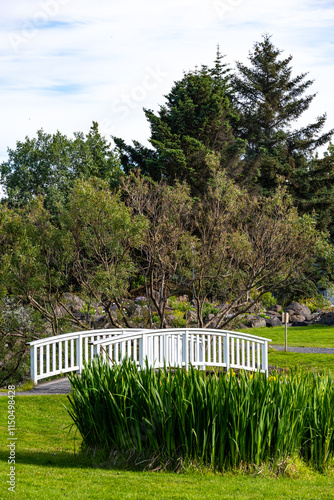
201, 348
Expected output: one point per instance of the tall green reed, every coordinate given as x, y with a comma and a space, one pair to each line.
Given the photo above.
221, 420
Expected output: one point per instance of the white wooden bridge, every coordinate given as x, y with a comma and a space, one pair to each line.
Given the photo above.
201, 348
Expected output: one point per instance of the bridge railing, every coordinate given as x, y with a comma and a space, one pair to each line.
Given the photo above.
65, 353
202, 348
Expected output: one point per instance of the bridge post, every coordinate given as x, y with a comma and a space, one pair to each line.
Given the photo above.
143, 350
33, 363
79, 353
226, 347
185, 349
265, 365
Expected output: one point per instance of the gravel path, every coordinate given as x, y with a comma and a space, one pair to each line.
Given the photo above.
63, 386
319, 350
59, 386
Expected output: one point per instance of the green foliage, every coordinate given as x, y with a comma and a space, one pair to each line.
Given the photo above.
178, 319
102, 233
34, 258
268, 300
208, 308
87, 309
19, 324
51, 464
269, 101
224, 421
193, 123
155, 318
48, 165
317, 302
179, 305
137, 281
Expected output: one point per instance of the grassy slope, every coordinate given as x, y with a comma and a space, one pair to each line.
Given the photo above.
48, 468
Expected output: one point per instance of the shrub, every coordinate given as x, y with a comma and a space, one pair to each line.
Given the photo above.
316, 302
155, 318
208, 308
268, 300
178, 320
141, 301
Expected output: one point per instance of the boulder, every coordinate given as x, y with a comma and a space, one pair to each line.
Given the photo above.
302, 323
275, 309
259, 323
98, 321
73, 302
208, 318
242, 326
255, 322
298, 309
274, 321
297, 318
190, 316
138, 311
327, 319
274, 314
59, 311
183, 298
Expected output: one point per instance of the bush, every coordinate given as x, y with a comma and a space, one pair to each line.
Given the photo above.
223, 421
268, 300
208, 308
178, 320
19, 324
316, 302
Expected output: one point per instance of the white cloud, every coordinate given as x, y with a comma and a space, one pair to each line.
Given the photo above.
68, 62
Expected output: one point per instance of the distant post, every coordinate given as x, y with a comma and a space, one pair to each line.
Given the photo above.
285, 320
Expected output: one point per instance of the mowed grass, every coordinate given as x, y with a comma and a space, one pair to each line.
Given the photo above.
50, 466
314, 362
298, 336
320, 336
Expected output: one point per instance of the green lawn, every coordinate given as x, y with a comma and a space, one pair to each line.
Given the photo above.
298, 336
319, 363
50, 467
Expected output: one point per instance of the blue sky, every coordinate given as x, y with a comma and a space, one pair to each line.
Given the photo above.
66, 63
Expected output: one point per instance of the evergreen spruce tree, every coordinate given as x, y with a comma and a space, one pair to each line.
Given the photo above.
269, 101
193, 123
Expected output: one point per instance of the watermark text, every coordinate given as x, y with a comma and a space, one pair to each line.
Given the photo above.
11, 445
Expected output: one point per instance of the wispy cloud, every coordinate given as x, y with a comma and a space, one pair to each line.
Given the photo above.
68, 62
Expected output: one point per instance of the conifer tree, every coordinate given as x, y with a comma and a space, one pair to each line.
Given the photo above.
193, 123
269, 101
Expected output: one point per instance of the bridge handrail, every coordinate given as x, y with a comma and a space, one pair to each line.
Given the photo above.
180, 331
204, 348
72, 357
84, 333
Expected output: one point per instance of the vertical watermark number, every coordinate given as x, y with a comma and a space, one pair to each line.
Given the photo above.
11, 476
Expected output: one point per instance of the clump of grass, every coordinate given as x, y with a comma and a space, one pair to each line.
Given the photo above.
220, 421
